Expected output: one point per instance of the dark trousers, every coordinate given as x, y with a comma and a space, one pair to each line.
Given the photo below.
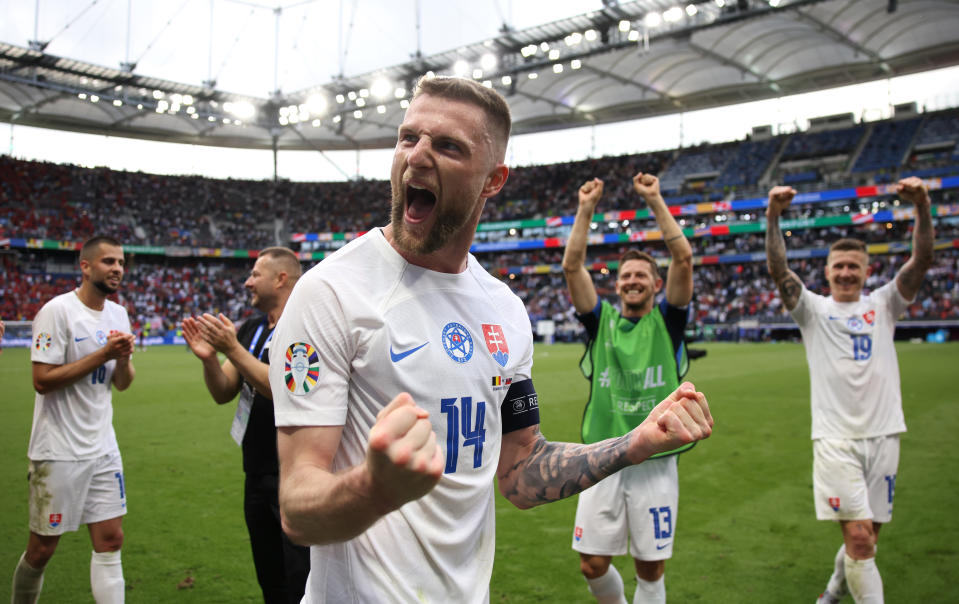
281, 565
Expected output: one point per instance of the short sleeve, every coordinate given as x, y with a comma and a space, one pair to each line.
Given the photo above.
50, 336
310, 357
805, 308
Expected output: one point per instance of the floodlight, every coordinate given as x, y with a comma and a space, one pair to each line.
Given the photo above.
399, 92
544, 46
633, 36
653, 19
557, 68
360, 102
404, 104
340, 99
94, 98
553, 54
691, 10
316, 103
488, 61
283, 121
506, 80
351, 95
590, 35
380, 88
477, 74
381, 109
460, 67
358, 114
316, 123
673, 15
624, 26
364, 93
532, 75
575, 64
337, 119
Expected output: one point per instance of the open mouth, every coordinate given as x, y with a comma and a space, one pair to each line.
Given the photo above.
419, 203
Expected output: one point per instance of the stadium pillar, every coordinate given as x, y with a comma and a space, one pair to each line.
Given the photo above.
276, 176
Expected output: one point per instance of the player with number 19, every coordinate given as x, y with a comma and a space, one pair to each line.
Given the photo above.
854, 384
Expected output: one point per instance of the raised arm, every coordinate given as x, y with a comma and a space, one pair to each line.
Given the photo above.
533, 470
47, 377
786, 281
578, 280
222, 381
910, 276
403, 463
679, 276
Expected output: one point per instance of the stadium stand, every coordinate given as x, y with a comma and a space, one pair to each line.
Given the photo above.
192, 238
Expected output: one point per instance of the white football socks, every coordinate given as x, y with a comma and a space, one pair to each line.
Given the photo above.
650, 592
608, 589
27, 582
106, 577
862, 577
836, 588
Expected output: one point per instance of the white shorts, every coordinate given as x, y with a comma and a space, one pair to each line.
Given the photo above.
66, 494
855, 479
639, 501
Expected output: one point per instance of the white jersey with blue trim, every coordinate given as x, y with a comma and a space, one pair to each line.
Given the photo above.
76, 421
363, 326
853, 369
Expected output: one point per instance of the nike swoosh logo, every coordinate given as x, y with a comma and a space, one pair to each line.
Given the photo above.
399, 356
81, 339
663, 546
832, 318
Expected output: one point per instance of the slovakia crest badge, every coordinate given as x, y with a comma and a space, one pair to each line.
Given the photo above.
496, 343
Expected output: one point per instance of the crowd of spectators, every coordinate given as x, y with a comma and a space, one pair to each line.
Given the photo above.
69, 203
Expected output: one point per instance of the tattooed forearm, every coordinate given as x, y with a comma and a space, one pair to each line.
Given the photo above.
554, 470
775, 249
914, 271
790, 287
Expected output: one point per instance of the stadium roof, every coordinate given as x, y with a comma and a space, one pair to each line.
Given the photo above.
624, 60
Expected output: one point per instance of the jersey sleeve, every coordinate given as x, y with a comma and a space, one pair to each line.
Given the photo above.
805, 308
890, 296
50, 335
590, 320
310, 358
676, 318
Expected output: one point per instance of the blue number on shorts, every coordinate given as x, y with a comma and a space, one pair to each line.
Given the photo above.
119, 477
472, 437
891, 486
861, 346
99, 375
662, 522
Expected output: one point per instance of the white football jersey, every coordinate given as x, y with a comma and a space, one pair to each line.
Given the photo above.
75, 422
853, 369
363, 326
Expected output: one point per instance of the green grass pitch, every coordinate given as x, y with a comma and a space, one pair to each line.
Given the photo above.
746, 530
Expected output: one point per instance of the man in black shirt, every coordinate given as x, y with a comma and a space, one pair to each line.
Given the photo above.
281, 566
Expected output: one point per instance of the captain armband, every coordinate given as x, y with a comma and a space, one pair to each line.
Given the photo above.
520, 408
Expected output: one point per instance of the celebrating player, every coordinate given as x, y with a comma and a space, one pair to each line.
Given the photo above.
854, 382
81, 348
635, 357
401, 379
281, 566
